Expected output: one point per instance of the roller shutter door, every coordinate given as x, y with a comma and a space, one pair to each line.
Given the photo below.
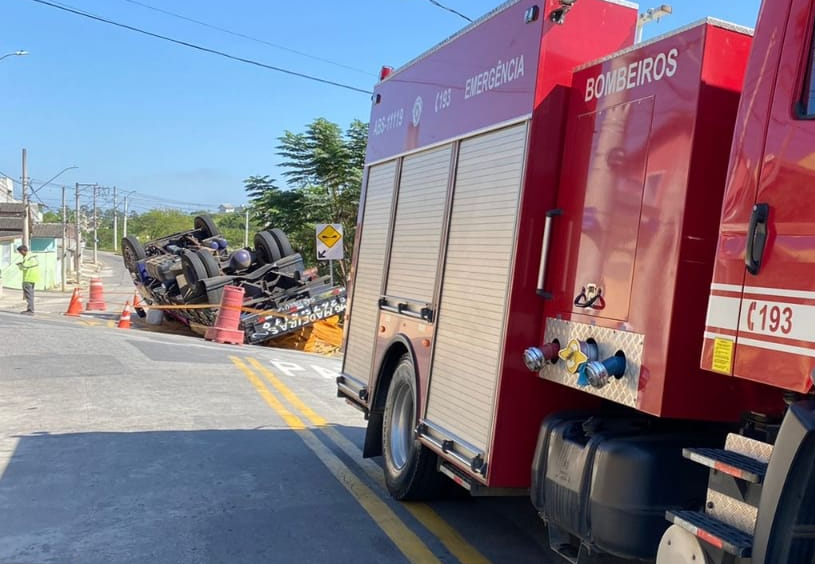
481, 243
418, 225
364, 313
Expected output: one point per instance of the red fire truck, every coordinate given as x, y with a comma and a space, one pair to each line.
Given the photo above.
583, 272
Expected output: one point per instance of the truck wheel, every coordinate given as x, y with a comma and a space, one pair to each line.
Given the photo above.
282, 242
206, 225
209, 262
410, 468
132, 252
266, 248
193, 268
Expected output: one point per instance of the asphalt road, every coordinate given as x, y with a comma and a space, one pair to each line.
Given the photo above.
134, 446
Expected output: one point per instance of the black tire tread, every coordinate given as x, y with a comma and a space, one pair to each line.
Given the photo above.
209, 262
283, 243
135, 246
423, 481
266, 248
206, 225
191, 262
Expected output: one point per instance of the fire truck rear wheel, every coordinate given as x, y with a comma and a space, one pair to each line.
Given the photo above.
410, 468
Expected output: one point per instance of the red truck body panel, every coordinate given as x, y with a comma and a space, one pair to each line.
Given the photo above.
498, 72
646, 151
761, 327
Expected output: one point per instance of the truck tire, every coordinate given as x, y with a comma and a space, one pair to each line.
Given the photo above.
193, 268
132, 252
266, 248
282, 241
410, 468
206, 225
209, 262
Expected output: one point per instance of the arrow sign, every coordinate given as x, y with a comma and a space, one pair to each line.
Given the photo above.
329, 241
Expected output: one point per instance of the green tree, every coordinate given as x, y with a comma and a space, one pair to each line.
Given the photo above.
158, 223
273, 207
324, 174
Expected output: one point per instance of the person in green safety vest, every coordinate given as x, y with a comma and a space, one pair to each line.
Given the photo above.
30, 267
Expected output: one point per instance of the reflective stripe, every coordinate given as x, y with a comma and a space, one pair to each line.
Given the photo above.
762, 291
723, 312
777, 347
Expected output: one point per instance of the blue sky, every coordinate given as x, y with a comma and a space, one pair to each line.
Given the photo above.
183, 128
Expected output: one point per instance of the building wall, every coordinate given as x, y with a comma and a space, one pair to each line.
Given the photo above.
6, 189
11, 275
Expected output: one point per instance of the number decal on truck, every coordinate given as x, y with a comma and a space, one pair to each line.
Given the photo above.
764, 317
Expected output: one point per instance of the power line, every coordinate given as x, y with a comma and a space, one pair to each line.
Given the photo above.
151, 198
72, 10
244, 36
443, 7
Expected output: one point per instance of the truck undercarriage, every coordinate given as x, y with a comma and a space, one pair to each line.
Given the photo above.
184, 274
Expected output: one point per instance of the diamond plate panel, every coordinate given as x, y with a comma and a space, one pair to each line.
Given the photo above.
731, 511
749, 447
609, 341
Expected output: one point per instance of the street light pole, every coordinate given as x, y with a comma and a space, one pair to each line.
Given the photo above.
115, 223
26, 203
19, 53
77, 258
651, 15
25, 199
95, 238
124, 222
63, 270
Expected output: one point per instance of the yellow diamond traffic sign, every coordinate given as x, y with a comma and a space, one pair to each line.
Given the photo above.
329, 236
329, 241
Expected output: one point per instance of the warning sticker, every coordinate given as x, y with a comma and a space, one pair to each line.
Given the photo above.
723, 356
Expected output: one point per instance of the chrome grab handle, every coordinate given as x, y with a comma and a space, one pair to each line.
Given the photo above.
547, 236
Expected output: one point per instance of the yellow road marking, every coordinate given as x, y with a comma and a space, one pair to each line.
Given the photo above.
290, 396
291, 420
405, 540
432, 521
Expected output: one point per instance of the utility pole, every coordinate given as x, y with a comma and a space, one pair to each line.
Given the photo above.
246, 230
63, 269
77, 258
25, 199
115, 223
124, 224
95, 257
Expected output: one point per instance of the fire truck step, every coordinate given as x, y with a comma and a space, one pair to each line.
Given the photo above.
713, 531
729, 462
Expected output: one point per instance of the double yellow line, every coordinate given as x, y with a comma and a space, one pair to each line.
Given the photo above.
414, 549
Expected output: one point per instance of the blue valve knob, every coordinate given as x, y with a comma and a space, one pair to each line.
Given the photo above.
598, 374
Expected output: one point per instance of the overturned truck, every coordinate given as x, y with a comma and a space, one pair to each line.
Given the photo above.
185, 273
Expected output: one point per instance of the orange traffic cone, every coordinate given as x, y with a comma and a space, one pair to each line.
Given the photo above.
75, 306
124, 319
137, 306
96, 299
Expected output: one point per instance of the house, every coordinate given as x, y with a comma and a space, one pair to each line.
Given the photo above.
6, 189
226, 208
47, 242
